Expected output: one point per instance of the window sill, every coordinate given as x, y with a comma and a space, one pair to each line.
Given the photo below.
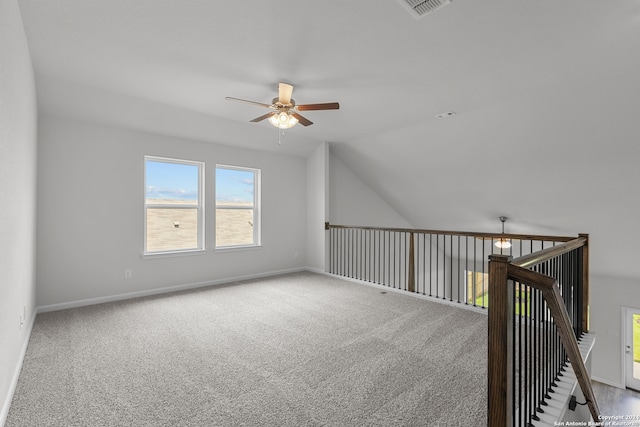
174, 254
237, 248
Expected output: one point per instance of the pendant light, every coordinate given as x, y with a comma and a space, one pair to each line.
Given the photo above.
503, 243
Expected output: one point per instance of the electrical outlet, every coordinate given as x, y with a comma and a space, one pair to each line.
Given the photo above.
128, 274
21, 320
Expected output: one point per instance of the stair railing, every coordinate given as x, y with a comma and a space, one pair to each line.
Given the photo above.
538, 312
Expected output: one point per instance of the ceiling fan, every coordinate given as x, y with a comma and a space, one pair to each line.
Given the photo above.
285, 113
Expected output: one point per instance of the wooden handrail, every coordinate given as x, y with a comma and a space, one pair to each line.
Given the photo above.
551, 294
535, 258
546, 254
496, 236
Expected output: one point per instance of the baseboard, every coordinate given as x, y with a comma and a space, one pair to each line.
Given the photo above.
16, 373
411, 294
607, 382
315, 270
158, 291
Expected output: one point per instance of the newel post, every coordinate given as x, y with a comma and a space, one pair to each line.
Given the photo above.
500, 343
411, 279
585, 284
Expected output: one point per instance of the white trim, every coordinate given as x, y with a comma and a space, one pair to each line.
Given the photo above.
462, 305
623, 342
172, 254
256, 208
315, 270
607, 382
625, 332
158, 291
237, 248
16, 373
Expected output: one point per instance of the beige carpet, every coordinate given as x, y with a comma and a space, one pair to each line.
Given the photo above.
294, 350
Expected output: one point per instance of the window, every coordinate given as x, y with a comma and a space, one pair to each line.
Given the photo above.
477, 288
237, 206
477, 292
173, 205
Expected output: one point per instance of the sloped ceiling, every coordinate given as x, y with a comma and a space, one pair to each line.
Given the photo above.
546, 95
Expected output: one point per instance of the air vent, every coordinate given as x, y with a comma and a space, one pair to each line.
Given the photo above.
421, 8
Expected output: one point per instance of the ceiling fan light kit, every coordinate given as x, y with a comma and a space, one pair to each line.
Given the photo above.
503, 243
285, 114
283, 120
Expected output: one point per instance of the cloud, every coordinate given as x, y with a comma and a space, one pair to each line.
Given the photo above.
171, 193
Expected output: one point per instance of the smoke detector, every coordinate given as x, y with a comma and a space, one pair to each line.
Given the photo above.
421, 8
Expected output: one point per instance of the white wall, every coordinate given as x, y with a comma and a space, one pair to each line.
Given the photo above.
317, 206
607, 298
18, 143
90, 213
353, 202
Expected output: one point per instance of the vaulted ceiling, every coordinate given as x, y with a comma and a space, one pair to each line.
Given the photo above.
546, 96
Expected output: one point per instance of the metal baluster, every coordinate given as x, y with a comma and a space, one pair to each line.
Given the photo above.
444, 266
483, 275
458, 269
437, 265
430, 264
475, 260
423, 265
466, 270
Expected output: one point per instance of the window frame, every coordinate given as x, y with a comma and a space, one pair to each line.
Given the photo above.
199, 207
257, 199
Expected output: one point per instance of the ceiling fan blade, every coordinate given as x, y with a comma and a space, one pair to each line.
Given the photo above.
260, 104
265, 116
302, 120
284, 93
326, 106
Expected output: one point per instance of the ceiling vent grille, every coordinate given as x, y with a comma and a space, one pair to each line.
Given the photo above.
421, 8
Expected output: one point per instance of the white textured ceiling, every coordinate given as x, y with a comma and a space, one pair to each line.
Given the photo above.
546, 95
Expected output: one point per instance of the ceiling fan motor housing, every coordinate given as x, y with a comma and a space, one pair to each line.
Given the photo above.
276, 102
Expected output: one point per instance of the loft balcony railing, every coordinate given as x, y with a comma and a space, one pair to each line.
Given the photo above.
536, 292
446, 265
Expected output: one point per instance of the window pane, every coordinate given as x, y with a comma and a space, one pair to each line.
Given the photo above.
171, 183
234, 187
237, 220
172, 229
234, 227
173, 212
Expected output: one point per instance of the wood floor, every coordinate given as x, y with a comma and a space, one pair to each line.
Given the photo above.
617, 401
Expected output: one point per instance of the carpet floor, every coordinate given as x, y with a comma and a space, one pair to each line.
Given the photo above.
296, 350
